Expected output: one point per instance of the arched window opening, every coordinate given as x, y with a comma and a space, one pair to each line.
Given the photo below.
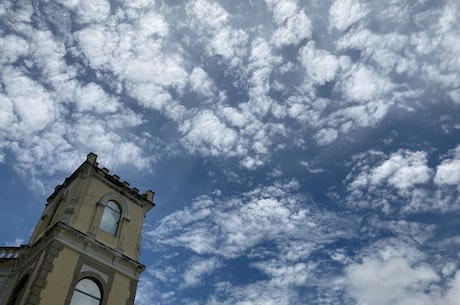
86, 292
15, 297
110, 218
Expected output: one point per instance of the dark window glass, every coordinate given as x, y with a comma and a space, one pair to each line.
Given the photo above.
18, 291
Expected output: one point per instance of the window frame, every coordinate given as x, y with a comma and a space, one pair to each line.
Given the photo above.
124, 213
108, 211
100, 274
98, 285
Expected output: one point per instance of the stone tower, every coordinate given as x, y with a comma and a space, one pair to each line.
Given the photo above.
85, 248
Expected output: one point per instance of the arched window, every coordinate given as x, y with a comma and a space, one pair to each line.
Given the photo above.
86, 292
15, 297
110, 218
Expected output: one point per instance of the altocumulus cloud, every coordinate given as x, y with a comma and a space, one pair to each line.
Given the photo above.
132, 51
270, 226
318, 141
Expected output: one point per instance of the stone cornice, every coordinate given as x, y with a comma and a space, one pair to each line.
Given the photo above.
83, 244
96, 250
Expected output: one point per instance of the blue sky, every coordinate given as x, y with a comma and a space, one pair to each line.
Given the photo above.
302, 152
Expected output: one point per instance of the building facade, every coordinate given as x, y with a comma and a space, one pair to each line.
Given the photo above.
85, 247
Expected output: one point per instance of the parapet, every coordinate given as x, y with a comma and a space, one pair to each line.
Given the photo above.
91, 159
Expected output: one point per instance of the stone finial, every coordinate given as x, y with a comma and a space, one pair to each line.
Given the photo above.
149, 195
91, 158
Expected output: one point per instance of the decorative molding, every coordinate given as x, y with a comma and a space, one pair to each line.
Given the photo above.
87, 268
46, 266
99, 252
116, 197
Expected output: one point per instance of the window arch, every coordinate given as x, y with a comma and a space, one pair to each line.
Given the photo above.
110, 218
16, 295
86, 292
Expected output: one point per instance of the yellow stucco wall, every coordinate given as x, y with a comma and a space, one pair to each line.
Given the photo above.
82, 195
60, 278
86, 204
85, 215
119, 293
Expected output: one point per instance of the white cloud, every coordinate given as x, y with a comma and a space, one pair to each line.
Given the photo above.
284, 274
293, 29
91, 11
153, 23
282, 10
49, 149
344, 13
92, 97
310, 168
24, 12
16, 243
11, 48
7, 115
321, 66
384, 50
206, 134
453, 295
197, 269
210, 13
259, 293
48, 55
133, 51
306, 110
402, 170
449, 33
230, 44
404, 229
32, 104
235, 117
251, 163
364, 84
240, 226
139, 4
201, 82
262, 61
69, 3
211, 21
437, 40
392, 281
110, 145
145, 51
293, 23
163, 71
326, 136
369, 114
390, 273
97, 43
455, 96
403, 182
448, 172
148, 291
